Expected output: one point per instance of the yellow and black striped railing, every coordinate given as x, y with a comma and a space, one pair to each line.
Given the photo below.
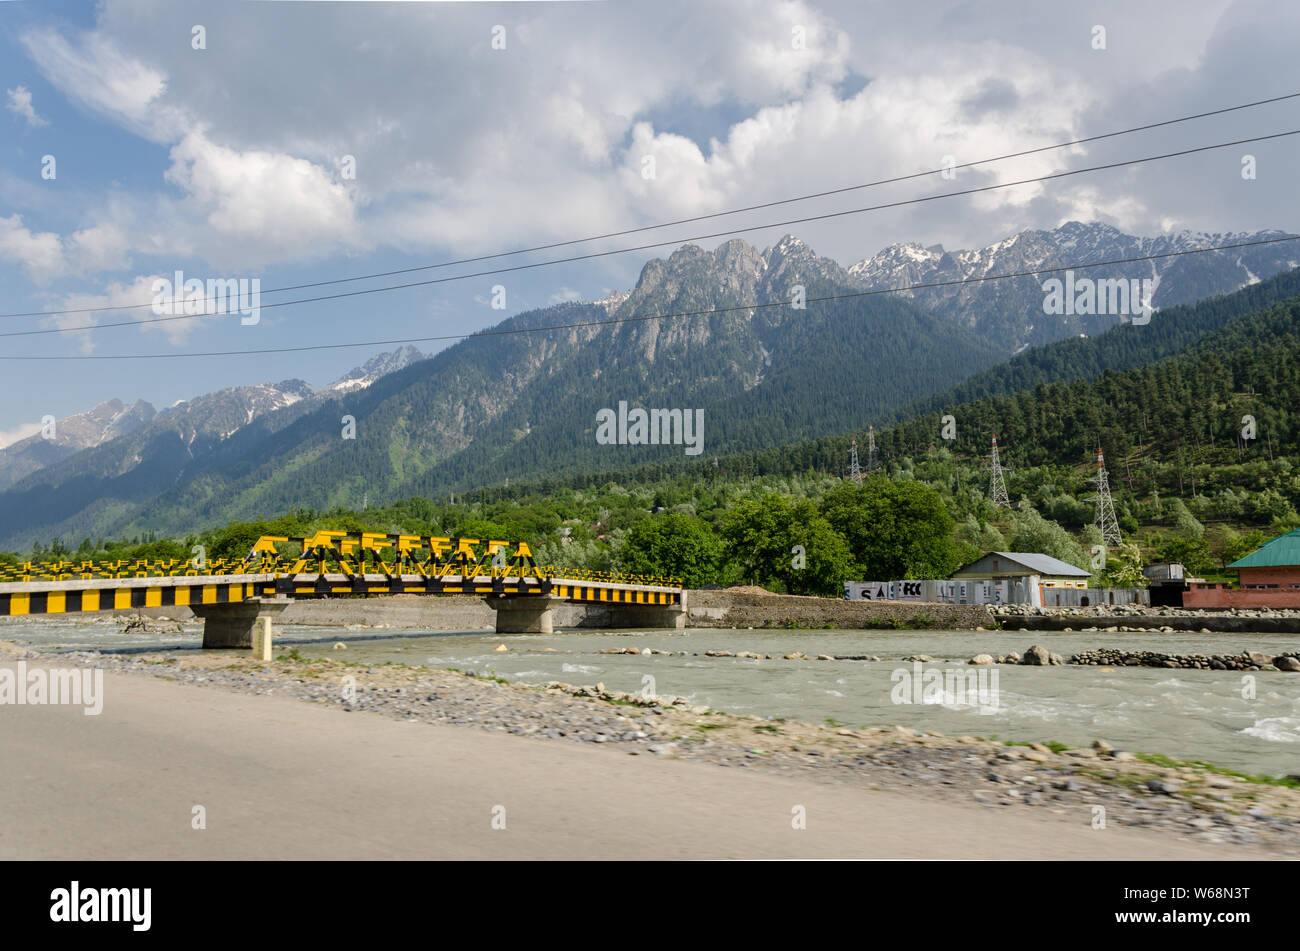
329, 564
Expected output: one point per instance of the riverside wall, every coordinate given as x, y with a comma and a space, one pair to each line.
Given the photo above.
753, 608
741, 609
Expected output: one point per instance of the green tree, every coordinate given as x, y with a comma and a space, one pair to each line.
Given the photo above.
1192, 553
673, 545
1124, 568
894, 530
774, 539
1183, 521
1239, 546
981, 536
1033, 533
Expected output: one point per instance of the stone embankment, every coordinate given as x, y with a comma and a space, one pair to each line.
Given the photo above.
1037, 656
735, 608
746, 607
1144, 620
1246, 660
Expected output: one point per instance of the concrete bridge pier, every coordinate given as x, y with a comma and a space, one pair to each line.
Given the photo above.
240, 624
528, 615
535, 614
634, 616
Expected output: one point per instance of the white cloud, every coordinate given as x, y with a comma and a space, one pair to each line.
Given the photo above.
275, 201
18, 433
39, 254
47, 256
167, 319
93, 71
463, 149
20, 102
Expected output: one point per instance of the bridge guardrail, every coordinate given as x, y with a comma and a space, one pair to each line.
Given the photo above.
348, 553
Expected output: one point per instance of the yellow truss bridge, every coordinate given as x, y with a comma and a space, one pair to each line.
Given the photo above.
232, 596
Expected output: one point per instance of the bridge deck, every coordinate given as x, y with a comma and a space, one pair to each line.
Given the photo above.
70, 596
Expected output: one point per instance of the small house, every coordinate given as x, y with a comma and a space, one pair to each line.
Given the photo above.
1002, 565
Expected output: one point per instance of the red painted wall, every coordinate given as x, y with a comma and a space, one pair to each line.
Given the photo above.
1208, 596
1282, 577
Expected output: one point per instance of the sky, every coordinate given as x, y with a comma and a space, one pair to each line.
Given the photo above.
301, 142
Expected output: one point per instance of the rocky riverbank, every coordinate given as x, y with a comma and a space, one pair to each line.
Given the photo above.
1246, 660
1094, 786
1034, 656
1136, 619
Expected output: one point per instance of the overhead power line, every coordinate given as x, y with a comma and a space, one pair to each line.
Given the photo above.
722, 214
641, 247
647, 317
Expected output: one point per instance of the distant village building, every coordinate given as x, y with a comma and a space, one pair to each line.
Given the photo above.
1005, 565
1269, 578
1167, 583
1274, 565
1002, 577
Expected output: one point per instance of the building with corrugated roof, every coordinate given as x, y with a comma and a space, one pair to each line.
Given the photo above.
1273, 565
1269, 577
1002, 565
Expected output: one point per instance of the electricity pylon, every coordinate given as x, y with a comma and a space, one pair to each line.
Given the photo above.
997, 485
855, 471
1106, 520
871, 448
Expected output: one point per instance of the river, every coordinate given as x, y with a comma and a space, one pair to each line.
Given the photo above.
1186, 714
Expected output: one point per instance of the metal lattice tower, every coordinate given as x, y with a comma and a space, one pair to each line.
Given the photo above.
997, 485
855, 471
871, 448
1106, 520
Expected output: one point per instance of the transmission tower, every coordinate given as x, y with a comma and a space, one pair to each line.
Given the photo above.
1106, 520
855, 471
871, 448
997, 485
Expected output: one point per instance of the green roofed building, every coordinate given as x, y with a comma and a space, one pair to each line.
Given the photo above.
1274, 565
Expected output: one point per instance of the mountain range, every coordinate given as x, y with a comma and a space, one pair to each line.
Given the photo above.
1011, 311
524, 406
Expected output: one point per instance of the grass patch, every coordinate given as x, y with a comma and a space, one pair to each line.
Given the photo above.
1052, 745
1156, 759
767, 728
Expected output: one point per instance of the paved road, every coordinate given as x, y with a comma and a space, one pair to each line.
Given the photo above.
281, 778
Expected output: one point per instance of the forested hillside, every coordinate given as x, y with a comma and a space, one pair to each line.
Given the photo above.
523, 406
1187, 485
